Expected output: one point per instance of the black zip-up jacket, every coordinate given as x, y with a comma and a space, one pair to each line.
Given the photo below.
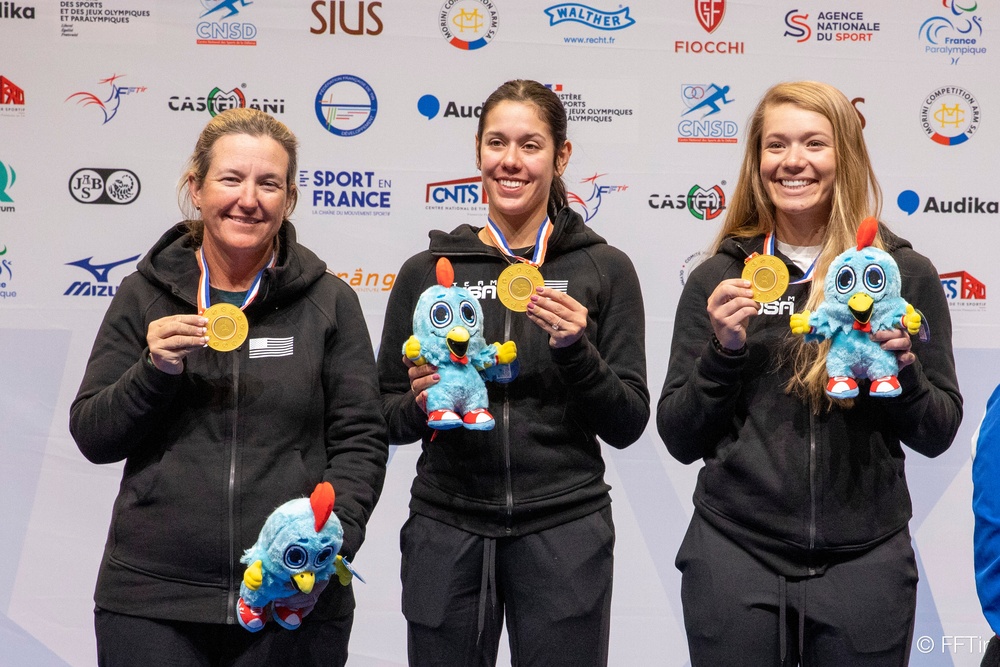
541, 465
211, 452
795, 489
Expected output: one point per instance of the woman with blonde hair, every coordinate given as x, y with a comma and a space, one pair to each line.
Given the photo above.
799, 548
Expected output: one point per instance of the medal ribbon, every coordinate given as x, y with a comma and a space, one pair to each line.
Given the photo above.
204, 293
541, 242
769, 250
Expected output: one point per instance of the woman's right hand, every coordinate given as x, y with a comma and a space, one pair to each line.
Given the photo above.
172, 338
421, 377
730, 307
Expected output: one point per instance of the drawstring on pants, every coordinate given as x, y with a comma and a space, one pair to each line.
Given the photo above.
783, 616
488, 583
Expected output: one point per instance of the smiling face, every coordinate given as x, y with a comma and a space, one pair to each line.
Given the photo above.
518, 158
243, 198
798, 165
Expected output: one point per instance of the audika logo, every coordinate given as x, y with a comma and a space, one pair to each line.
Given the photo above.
831, 27
429, 106
11, 10
963, 291
220, 27
367, 23
702, 203
709, 14
347, 192
469, 24
100, 286
698, 124
589, 206
950, 115
11, 99
7, 178
6, 276
104, 186
219, 100
589, 16
954, 34
909, 202
346, 105
108, 106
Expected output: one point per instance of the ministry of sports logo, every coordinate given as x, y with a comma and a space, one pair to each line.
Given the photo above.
346, 105
469, 24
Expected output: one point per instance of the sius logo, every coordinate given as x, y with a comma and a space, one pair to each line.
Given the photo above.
469, 24
340, 18
705, 101
346, 105
429, 106
909, 202
588, 207
100, 273
104, 186
589, 16
219, 30
950, 115
347, 192
108, 106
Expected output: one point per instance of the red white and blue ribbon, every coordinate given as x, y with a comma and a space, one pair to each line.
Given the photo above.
204, 290
769, 240
541, 242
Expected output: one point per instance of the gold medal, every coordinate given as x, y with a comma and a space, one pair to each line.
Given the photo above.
227, 327
516, 285
768, 277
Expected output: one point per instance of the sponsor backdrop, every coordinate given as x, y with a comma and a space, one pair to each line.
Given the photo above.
100, 105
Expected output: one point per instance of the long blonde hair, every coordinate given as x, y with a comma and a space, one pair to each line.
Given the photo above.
856, 195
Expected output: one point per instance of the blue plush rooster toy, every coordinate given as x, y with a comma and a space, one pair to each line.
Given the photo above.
862, 296
448, 333
294, 556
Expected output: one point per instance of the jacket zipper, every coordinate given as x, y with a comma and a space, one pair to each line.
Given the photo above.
233, 588
506, 432
812, 486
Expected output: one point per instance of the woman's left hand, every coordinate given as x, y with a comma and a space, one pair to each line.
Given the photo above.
897, 341
559, 315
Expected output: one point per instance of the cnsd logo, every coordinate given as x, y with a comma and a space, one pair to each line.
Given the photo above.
346, 105
469, 24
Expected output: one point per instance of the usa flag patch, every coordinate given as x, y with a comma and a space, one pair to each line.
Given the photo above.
271, 347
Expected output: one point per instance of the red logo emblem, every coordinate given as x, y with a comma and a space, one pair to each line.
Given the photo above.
710, 13
970, 287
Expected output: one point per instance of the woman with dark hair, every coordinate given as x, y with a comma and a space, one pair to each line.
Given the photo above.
232, 373
515, 521
799, 549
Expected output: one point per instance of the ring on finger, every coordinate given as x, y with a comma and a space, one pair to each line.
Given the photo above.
555, 326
